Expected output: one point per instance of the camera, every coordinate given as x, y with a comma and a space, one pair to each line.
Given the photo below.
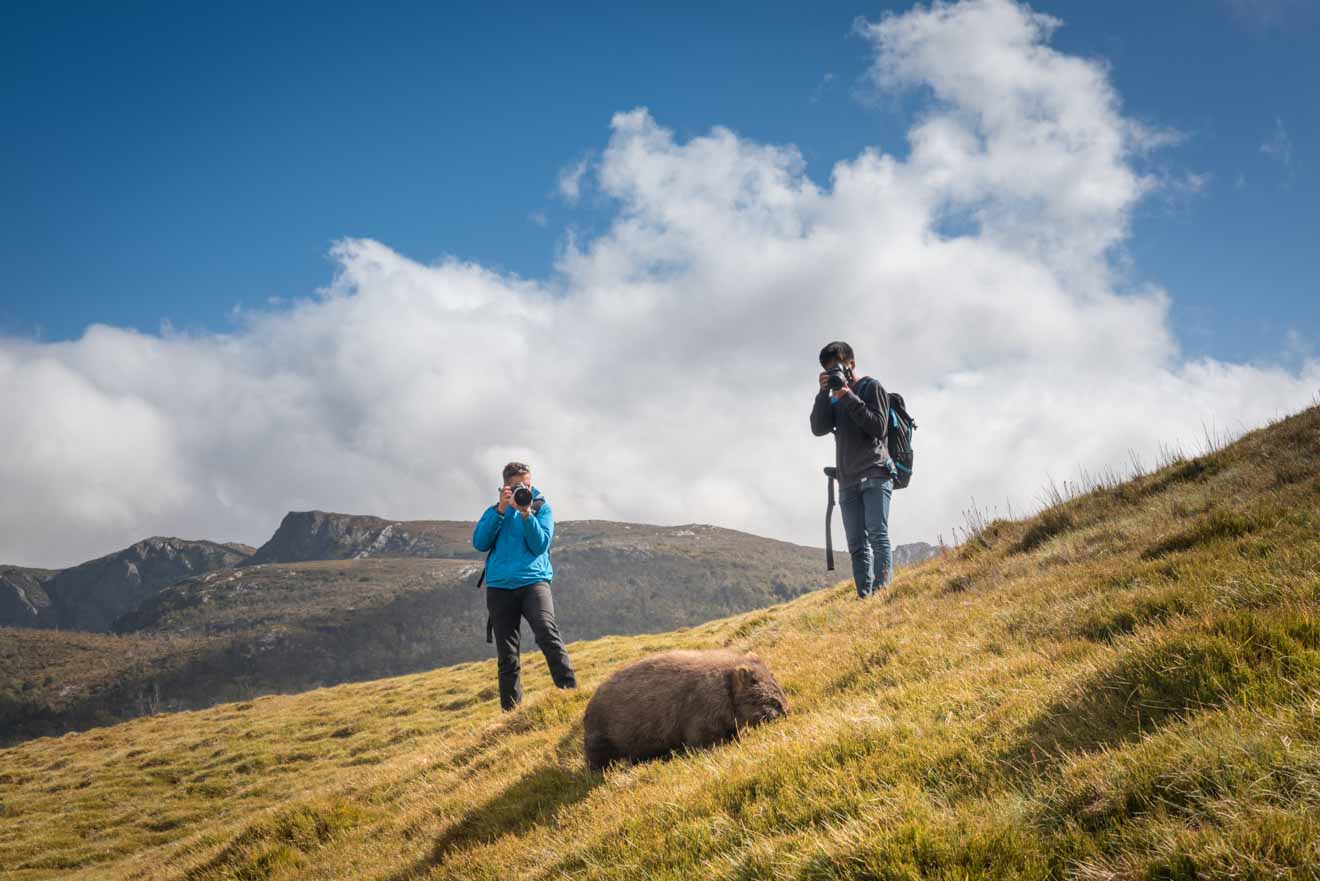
839, 376
522, 496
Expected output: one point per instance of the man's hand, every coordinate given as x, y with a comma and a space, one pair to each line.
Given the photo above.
839, 393
824, 381
506, 499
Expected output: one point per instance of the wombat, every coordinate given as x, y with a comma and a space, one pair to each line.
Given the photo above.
675, 699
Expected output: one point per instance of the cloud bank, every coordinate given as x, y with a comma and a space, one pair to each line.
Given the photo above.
666, 371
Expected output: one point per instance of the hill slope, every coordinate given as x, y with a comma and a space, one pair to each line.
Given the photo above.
1122, 687
393, 598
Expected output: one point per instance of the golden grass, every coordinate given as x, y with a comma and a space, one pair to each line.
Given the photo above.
1126, 686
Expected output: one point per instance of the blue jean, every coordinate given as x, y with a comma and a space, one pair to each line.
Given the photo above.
865, 508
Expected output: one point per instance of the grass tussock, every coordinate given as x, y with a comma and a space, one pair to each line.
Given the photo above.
1220, 524
1185, 471
1045, 526
281, 843
1124, 687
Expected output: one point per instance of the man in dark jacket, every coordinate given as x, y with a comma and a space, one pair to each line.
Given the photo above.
858, 417
518, 574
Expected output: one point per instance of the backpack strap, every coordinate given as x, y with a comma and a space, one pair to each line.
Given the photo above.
481, 579
490, 553
884, 396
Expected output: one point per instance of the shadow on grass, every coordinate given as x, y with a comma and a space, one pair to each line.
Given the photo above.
534, 799
1217, 525
1137, 694
1266, 658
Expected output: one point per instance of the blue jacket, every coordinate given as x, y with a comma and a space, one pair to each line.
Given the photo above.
522, 546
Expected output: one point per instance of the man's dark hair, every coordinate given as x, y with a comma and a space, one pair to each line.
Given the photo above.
513, 469
836, 351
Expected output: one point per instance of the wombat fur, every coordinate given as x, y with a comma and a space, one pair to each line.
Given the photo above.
675, 699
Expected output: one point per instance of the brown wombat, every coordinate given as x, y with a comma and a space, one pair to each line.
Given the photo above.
675, 699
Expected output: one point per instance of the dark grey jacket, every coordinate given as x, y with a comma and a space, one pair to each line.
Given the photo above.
860, 422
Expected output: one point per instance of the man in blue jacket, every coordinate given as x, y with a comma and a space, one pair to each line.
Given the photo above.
518, 574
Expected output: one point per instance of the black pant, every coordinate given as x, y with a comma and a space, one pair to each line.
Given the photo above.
507, 608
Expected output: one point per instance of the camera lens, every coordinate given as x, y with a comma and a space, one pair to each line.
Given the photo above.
522, 497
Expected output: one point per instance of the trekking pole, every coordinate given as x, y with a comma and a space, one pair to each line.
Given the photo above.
829, 519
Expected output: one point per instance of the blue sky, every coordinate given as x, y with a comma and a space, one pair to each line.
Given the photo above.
169, 164
951, 188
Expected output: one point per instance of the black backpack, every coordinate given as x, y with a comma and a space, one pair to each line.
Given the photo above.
901, 427
899, 436
899, 441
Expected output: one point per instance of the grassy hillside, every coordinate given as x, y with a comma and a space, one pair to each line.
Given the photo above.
235, 633
54, 680
1127, 686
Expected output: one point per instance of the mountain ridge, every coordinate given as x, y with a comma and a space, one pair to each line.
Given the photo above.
341, 597
113, 585
395, 597
326, 535
90, 595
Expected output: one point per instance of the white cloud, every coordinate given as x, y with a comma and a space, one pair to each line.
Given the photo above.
666, 373
819, 91
1194, 182
1279, 145
571, 177
1297, 347
1179, 189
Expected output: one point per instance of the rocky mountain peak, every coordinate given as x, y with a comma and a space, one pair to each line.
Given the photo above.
91, 595
322, 535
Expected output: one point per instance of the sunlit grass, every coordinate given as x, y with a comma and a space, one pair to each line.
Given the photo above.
1125, 686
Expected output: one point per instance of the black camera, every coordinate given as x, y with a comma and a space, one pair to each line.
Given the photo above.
522, 496
839, 376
